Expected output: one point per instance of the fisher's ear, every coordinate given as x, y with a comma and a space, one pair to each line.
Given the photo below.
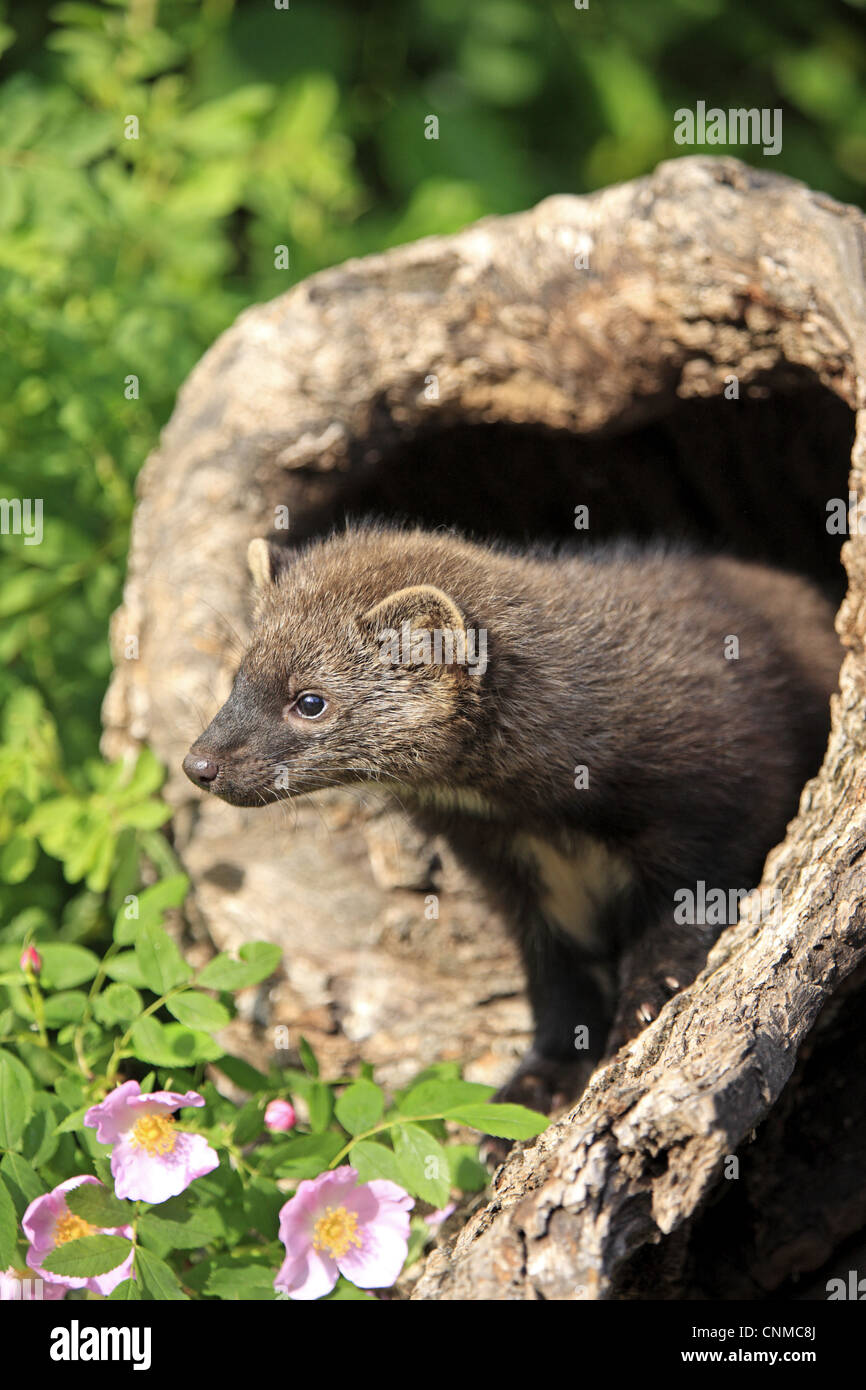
266, 561
418, 626
421, 605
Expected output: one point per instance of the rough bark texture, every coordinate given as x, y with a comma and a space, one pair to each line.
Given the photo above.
557, 382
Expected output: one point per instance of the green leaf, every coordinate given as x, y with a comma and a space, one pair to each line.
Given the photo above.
239, 1282
467, 1172
304, 1156
172, 1044
258, 960
308, 1058
15, 978
126, 968
191, 1231
148, 775
263, 1200
503, 1121
24, 1184
374, 1160
360, 1107
39, 1143
423, 1164
98, 1206
159, 960
249, 1123
64, 965
41, 1063
147, 815
127, 1291
198, 1011
18, 858
71, 1090
149, 907
223, 124
320, 1100
8, 1228
248, 1078
88, 1256
66, 1006
16, 1103
435, 1097
157, 1279
117, 1003
55, 817
74, 1121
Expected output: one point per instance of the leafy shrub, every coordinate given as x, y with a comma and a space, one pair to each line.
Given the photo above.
72, 1024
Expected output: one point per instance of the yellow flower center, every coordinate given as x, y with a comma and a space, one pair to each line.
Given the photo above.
336, 1231
70, 1227
154, 1133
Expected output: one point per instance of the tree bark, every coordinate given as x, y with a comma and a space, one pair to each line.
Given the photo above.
721, 1153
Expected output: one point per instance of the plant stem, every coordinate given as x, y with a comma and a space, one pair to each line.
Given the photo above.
116, 1056
379, 1129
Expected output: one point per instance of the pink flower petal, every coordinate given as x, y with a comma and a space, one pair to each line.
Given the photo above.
307, 1276
40, 1217
378, 1197
384, 1231
162, 1102
123, 1106
378, 1262
113, 1116
145, 1177
435, 1218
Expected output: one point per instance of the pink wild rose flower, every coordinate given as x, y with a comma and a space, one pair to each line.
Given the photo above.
334, 1226
151, 1160
48, 1222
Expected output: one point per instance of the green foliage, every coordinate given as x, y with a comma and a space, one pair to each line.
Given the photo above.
88, 1255
219, 1238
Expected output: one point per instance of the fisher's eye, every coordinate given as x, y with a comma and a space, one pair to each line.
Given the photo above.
309, 705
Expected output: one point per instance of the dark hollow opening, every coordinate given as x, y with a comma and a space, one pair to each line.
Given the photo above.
751, 476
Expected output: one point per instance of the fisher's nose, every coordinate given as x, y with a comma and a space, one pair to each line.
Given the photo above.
199, 769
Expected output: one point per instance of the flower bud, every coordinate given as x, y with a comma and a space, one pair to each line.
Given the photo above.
31, 959
280, 1116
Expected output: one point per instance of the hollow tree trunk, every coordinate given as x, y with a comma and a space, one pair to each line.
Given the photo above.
683, 353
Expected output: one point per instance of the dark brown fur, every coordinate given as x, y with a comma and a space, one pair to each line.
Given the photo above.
612, 659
